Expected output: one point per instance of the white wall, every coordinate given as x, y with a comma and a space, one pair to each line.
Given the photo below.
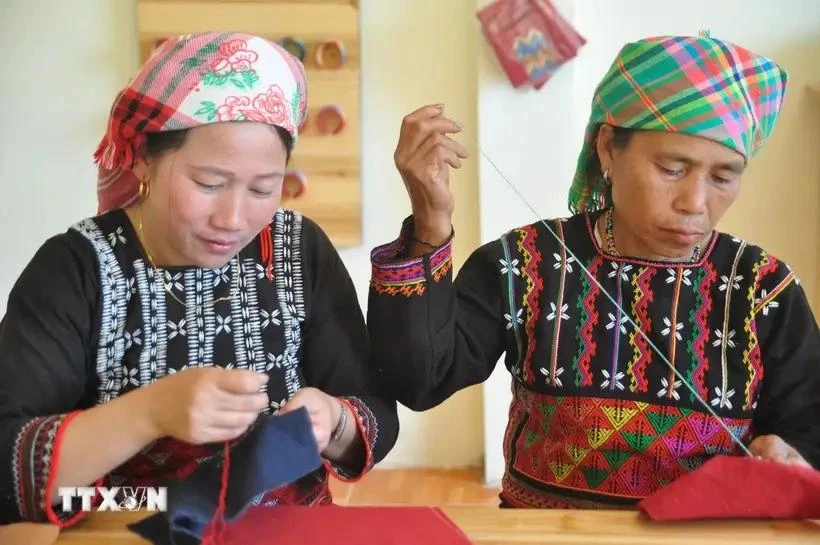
65, 60
63, 63
535, 136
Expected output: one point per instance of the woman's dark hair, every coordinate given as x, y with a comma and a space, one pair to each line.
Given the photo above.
621, 136
159, 143
620, 139
594, 175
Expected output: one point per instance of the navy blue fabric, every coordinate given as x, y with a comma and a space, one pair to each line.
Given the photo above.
277, 451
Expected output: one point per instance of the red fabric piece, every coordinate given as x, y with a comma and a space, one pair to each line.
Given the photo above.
214, 531
298, 525
530, 39
735, 487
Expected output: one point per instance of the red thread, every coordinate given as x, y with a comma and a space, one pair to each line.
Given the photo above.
215, 530
57, 446
266, 243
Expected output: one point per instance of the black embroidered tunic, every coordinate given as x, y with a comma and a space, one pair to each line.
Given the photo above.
603, 415
89, 320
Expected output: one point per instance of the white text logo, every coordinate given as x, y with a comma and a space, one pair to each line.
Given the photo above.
116, 498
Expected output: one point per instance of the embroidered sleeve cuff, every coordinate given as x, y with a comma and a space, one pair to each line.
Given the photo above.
393, 273
368, 430
35, 458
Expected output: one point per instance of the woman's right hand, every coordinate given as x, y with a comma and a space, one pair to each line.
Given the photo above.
423, 156
206, 405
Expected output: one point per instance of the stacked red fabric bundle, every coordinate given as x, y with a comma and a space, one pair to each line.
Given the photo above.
735, 487
530, 38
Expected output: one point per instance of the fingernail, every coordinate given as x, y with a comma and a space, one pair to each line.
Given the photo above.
440, 106
458, 125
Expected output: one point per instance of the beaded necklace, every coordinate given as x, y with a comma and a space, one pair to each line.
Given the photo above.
609, 236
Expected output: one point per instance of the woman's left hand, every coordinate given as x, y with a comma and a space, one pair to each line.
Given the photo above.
772, 447
325, 412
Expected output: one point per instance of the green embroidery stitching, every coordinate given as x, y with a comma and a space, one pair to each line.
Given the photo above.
207, 110
243, 79
240, 80
295, 100
199, 58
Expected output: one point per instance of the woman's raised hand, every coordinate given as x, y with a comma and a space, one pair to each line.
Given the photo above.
423, 157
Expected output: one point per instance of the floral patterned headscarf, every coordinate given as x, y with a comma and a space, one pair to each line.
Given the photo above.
194, 80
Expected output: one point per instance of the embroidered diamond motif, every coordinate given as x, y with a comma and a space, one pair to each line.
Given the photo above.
560, 469
619, 415
616, 458
576, 453
662, 419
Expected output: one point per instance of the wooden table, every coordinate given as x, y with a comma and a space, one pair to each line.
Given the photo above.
493, 526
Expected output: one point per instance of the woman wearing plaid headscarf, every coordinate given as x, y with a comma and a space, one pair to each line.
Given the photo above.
640, 341
140, 337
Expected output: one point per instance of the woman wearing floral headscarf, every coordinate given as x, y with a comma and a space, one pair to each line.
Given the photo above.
640, 340
191, 303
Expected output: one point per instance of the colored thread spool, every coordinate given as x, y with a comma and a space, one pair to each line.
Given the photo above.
294, 185
330, 120
294, 46
330, 55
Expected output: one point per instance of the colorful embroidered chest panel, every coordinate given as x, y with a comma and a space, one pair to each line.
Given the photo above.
597, 406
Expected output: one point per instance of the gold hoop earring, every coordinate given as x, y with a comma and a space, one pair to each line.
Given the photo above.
144, 188
605, 174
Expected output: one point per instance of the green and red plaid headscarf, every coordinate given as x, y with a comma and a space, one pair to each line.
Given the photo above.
691, 85
193, 80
